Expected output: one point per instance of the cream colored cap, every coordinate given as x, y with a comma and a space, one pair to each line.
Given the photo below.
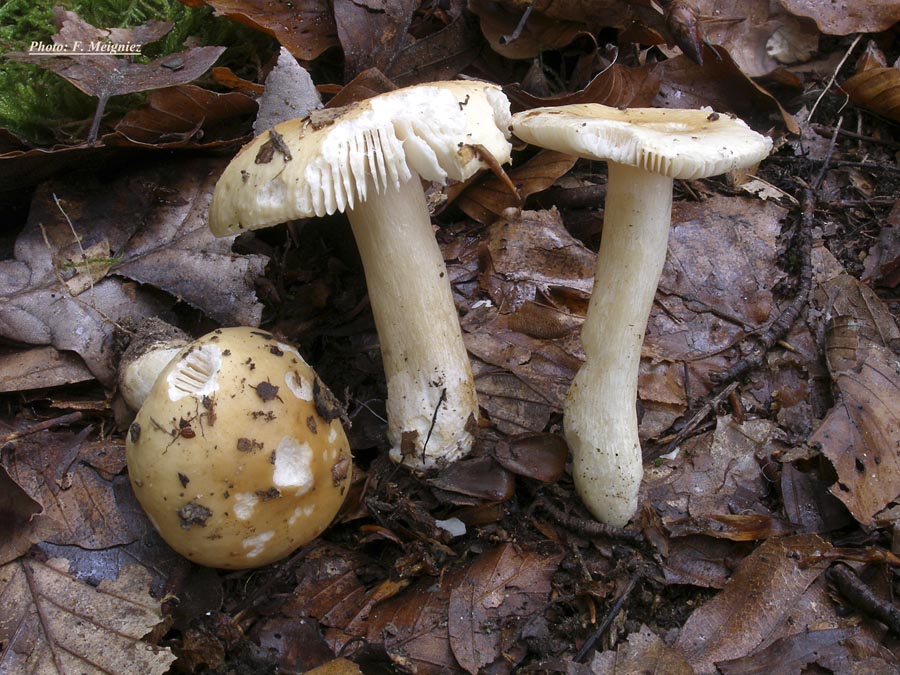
301, 169
684, 144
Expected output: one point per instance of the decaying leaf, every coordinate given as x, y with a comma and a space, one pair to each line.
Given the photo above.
51, 623
539, 32
412, 627
860, 436
56, 471
877, 89
850, 16
615, 86
490, 605
153, 223
40, 368
486, 200
758, 598
22, 522
187, 114
305, 27
371, 36
644, 652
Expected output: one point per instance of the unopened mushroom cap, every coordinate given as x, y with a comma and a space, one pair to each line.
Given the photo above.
238, 455
684, 144
302, 168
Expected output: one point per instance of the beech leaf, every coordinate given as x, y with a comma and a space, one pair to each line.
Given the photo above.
860, 435
150, 225
52, 623
502, 587
760, 595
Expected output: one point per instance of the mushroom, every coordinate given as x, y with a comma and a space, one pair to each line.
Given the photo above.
367, 160
155, 344
238, 455
646, 149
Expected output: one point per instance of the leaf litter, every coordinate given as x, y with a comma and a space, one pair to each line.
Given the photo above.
493, 566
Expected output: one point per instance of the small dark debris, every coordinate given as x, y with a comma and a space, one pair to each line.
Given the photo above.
193, 513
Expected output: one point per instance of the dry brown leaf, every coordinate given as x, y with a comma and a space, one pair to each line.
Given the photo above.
23, 522
413, 627
153, 222
759, 596
179, 114
504, 587
713, 476
56, 470
643, 652
486, 200
849, 16
539, 33
716, 287
371, 36
305, 27
877, 89
859, 436
442, 55
40, 368
614, 86
52, 623
791, 654
759, 35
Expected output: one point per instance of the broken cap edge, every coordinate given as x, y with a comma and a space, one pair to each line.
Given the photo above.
298, 170
678, 143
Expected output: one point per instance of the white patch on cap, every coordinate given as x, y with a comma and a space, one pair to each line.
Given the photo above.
293, 466
289, 349
244, 503
196, 373
301, 512
300, 387
332, 434
257, 543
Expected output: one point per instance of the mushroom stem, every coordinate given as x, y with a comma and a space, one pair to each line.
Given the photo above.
431, 392
600, 419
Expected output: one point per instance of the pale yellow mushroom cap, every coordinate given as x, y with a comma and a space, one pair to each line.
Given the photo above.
301, 169
683, 144
238, 455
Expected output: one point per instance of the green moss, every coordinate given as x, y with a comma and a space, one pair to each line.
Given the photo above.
43, 108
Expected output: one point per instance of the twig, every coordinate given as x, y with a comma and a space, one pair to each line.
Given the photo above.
673, 440
607, 620
42, 426
590, 528
512, 37
834, 76
861, 596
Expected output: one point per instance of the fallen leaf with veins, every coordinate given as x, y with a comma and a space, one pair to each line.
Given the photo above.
305, 27
860, 436
153, 223
52, 623
23, 522
760, 594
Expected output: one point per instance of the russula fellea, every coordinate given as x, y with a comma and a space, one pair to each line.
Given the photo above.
646, 149
367, 160
238, 455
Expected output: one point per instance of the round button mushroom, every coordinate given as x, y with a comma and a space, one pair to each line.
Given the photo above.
238, 455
